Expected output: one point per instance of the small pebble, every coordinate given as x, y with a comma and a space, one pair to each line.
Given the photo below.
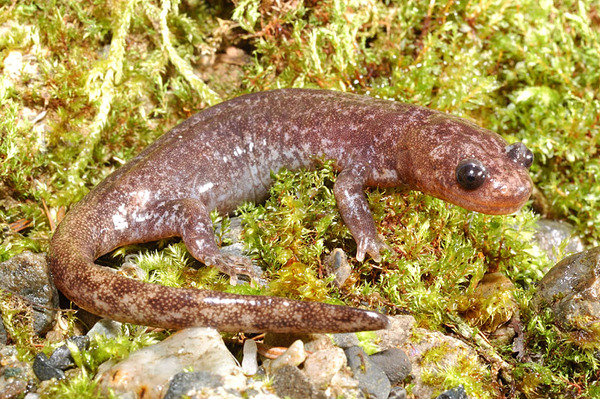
550, 235
16, 377
492, 304
44, 370
290, 382
346, 384
570, 289
397, 393
182, 383
399, 333
106, 327
450, 353
371, 379
394, 362
12, 389
3, 335
61, 357
345, 340
454, 393
336, 264
293, 356
27, 276
149, 371
249, 360
321, 366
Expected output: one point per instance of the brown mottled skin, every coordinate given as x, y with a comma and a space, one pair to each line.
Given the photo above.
224, 155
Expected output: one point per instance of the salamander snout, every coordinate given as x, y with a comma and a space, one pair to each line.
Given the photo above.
472, 173
493, 178
478, 171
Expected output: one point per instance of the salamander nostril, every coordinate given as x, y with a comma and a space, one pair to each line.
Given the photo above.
520, 154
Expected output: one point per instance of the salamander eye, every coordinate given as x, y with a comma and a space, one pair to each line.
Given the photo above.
470, 174
520, 154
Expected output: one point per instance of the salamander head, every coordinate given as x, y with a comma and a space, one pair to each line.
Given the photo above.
462, 163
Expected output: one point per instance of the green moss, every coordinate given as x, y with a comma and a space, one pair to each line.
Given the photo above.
368, 341
291, 232
80, 386
17, 321
81, 383
465, 370
568, 368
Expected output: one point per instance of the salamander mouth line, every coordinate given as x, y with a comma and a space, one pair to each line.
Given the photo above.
483, 205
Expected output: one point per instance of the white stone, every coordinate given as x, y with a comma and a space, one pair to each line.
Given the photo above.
321, 366
149, 370
250, 361
293, 356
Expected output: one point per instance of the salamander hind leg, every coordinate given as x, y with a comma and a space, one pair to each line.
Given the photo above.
196, 229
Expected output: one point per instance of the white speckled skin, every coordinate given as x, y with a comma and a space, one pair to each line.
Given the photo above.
223, 156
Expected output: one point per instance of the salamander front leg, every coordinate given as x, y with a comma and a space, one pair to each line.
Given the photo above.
352, 203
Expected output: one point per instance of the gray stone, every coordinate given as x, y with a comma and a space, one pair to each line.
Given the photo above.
321, 366
27, 276
450, 353
149, 370
398, 393
16, 377
344, 385
3, 335
371, 379
345, 340
61, 357
454, 393
336, 264
182, 383
44, 370
106, 327
13, 389
571, 290
401, 328
317, 342
550, 235
394, 362
293, 356
290, 382
250, 357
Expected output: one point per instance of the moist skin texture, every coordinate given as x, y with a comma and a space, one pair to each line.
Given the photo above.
224, 155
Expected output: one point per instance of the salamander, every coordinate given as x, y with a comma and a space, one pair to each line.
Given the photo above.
224, 155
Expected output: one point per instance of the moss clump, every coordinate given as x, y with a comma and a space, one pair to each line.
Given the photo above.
81, 383
443, 252
567, 367
292, 231
464, 370
17, 321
